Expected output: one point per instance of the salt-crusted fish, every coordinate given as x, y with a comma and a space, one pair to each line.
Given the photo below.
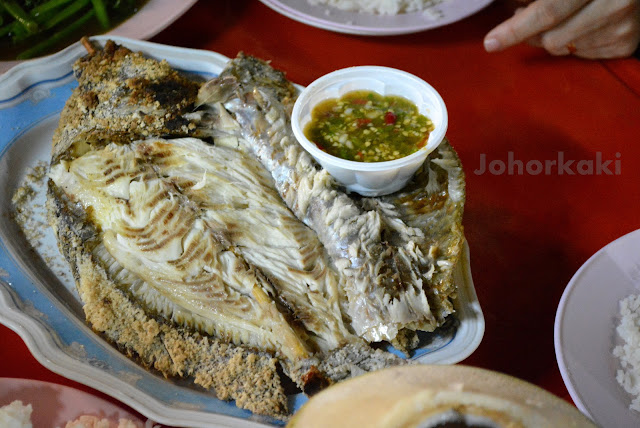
170, 244
385, 259
180, 213
200, 253
234, 262
233, 372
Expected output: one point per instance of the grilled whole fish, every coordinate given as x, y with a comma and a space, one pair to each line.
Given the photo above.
181, 212
234, 262
386, 252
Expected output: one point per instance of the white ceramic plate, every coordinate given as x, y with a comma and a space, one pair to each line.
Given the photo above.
329, 18
54, 405
153, 17
585, 331
37, 293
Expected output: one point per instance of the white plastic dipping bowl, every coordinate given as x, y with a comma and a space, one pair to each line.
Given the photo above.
371, 178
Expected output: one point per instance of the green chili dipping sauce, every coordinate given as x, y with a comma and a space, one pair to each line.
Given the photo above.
365, 126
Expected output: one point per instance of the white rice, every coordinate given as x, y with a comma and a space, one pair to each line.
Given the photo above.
380, 7
15, 415
629, 353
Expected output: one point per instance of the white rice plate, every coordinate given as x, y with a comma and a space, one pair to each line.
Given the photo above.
380, 7
629, 353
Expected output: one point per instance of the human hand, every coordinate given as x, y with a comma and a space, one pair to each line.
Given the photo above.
585, 28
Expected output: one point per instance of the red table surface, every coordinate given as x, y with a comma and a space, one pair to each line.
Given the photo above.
528, 233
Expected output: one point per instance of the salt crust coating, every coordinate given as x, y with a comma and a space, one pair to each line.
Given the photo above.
122, 95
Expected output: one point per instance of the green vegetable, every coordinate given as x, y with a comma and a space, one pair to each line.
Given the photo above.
47, 6
20, 15
8, 28
67, 12
27, 23
101, 13
60, 35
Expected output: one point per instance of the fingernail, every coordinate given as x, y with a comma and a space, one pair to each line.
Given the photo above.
491, 44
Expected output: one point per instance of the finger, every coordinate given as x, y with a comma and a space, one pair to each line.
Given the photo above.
538, 17
623, 41
603, 27
535, 41
617, 40
611, 41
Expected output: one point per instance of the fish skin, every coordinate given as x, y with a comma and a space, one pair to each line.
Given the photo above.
385, 274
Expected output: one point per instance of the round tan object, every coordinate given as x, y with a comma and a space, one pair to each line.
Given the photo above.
428, 396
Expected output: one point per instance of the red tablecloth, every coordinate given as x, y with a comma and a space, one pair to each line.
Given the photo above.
529, 232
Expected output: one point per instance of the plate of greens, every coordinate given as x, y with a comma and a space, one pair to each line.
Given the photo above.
35, 28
